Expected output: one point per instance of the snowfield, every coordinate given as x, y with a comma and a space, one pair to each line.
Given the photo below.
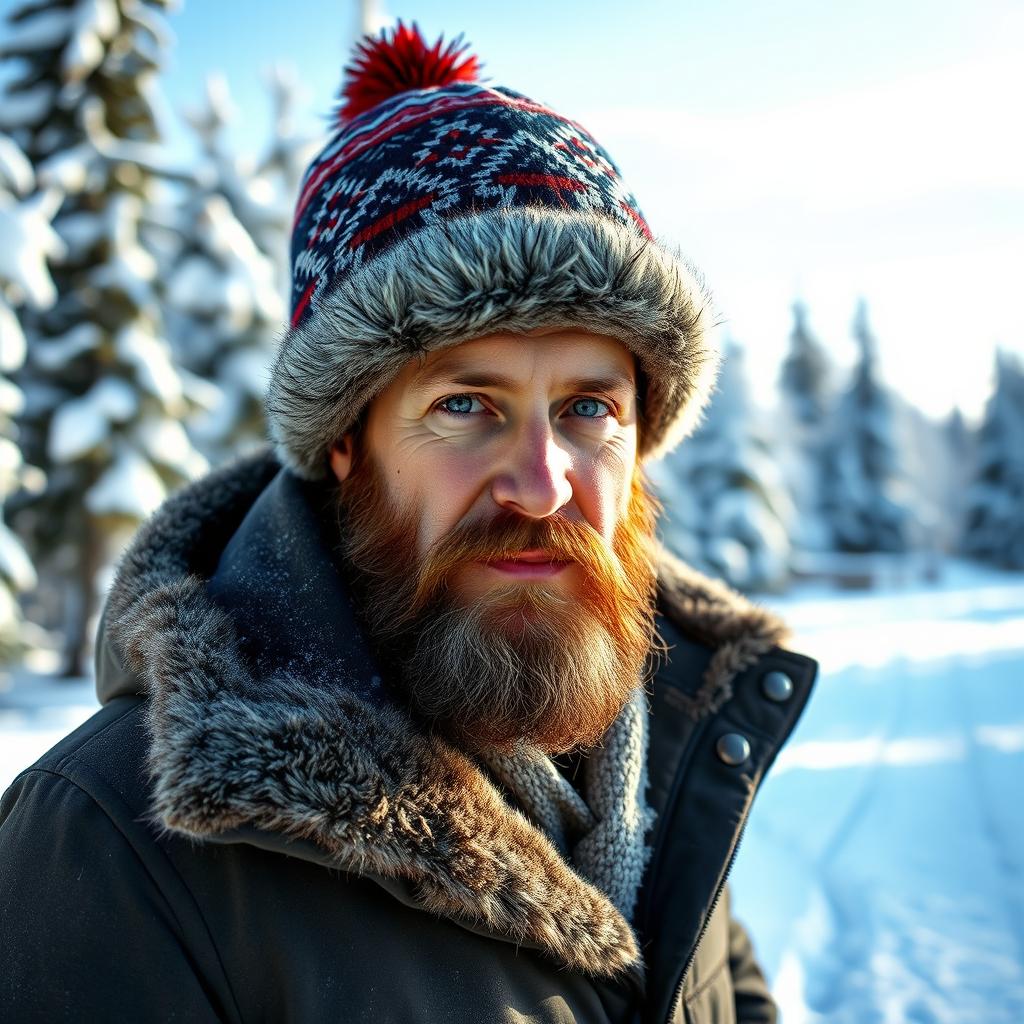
882, 872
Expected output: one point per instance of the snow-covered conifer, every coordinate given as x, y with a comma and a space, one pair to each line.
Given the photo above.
935, 476
229, 278
805, 399
261, 192
864, 492
804, 378
27, 244
960, 450
994, 526
222, 298
103, 403
726, 505
279, 172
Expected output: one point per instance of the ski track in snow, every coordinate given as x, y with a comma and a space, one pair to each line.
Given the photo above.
882, 874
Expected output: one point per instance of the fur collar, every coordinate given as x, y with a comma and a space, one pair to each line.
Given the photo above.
310, 749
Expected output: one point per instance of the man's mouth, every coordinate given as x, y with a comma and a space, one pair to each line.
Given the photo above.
533, 564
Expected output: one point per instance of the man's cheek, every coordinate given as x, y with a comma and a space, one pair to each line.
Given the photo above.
603, 498
432, 518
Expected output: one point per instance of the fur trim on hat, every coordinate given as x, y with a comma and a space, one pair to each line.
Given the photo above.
499, 270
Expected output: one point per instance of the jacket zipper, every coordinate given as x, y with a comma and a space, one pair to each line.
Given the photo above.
678, 992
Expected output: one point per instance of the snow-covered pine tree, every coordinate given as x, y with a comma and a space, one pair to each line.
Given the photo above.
260, 193
805, 399
224, 308
805, 373
103, 403
960, 445
994, 527
928, 470
863, 487
279, 172
27, 244
726, 505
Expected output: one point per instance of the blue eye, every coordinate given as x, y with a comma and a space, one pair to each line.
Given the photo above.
460, 405
590, 408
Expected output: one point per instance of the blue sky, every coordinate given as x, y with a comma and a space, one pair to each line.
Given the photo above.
825, 151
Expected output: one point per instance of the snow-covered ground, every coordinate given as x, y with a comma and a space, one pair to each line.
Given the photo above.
37, 710
882, 873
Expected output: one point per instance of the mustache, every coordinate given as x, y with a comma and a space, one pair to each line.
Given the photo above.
503, 537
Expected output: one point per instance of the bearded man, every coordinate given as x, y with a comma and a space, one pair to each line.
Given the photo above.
411, 720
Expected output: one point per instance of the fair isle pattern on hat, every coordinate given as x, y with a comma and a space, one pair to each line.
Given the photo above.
441, 210
440, 153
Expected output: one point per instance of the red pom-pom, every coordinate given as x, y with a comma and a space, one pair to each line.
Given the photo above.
385, 67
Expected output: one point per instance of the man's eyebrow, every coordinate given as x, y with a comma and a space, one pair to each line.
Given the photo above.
612, 381
462, 379
609, 382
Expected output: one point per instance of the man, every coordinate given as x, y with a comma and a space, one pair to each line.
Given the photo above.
389, 730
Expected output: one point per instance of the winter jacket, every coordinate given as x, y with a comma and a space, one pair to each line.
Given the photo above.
250, 829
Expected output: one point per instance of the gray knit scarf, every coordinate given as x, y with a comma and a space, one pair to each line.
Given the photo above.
601, 832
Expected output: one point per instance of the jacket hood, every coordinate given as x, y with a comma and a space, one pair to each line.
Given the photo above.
266, 714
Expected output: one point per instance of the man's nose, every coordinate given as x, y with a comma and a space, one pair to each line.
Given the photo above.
535, 479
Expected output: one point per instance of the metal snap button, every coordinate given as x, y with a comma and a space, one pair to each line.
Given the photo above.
733, 748
777, 686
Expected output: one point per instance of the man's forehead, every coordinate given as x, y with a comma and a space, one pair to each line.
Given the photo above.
509, 362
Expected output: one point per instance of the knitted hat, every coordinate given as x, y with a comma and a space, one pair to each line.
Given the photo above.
442, 210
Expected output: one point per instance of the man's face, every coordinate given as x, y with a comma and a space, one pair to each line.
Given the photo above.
494, 496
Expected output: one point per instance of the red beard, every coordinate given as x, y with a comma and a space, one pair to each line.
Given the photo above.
525, 663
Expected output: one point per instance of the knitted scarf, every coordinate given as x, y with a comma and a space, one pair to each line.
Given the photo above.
602, 830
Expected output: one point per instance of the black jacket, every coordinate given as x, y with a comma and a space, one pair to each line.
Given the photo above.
250, 829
